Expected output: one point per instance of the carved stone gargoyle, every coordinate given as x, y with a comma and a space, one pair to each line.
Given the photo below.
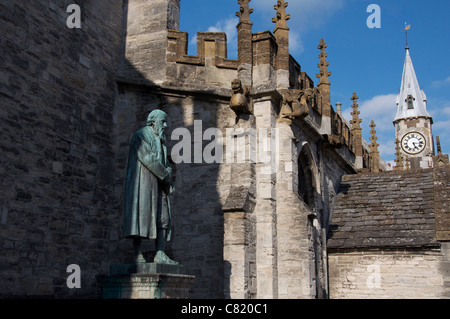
295, 103
240, 100
335, 141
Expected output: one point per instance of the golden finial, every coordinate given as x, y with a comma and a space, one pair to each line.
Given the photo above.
407, 27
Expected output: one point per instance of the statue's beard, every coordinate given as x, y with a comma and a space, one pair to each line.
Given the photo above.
159, 130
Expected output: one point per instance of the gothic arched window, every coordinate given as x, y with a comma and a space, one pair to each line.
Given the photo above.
305, 179
410, 101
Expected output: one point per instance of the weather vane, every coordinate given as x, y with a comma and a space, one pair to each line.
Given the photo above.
407, 27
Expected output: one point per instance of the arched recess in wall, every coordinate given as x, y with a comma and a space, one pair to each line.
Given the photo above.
309, 191
308, 177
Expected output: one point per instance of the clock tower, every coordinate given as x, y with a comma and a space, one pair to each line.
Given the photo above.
412, 121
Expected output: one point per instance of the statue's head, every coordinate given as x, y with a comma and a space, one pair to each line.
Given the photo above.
157, 119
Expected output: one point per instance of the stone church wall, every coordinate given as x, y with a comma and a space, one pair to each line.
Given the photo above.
57, 172
200, 187
390, 274
72, 98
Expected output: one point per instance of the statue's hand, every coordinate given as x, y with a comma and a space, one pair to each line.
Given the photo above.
168, 188
171, 188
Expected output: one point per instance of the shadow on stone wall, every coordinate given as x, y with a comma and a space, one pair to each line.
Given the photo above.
197, 241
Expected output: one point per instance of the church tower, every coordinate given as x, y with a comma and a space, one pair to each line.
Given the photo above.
412, 121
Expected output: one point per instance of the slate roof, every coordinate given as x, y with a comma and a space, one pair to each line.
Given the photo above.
390, 209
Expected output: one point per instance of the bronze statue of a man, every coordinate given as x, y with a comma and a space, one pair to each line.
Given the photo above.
147, 213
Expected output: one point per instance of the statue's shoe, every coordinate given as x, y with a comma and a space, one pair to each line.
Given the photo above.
139, 259
162, 258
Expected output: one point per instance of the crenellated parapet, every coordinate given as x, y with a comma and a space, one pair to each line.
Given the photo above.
209, 45
209, 69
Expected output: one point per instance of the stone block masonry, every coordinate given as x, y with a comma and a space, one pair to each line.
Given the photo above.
70, 101
57, 176
442, 202
390, 274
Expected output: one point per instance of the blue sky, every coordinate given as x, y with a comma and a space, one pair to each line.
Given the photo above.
368, 61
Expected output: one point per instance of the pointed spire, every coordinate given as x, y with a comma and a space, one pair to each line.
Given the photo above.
374, 153
411, 101
323, 65
324, 87
438, 144
356, 121
281, 18
440, 159
281, 33
245, 11
357, 133
373, 137
245, 43
398, 154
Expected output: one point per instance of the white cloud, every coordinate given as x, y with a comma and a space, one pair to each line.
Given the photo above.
381, 109
386, 147
193, 41
442, 125
228, 26
305, 15
440, 111
441, 83
295, 42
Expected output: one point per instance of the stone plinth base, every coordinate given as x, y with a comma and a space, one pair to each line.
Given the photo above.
145, 281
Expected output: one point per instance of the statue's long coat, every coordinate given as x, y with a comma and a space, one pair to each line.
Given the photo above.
144, 190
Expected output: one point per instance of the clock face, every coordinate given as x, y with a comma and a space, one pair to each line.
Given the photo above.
413, 143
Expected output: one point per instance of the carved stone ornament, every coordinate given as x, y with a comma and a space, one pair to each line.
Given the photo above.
295, 103
240, 100
281, 18
336, 141
245, 11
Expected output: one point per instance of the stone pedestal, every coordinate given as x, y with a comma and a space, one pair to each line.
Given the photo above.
146, 281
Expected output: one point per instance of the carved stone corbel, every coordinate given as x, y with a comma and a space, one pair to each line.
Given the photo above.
240, 101
295, 103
